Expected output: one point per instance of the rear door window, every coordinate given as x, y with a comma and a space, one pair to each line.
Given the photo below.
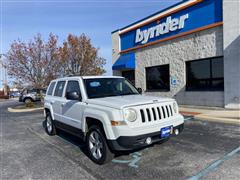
51, 87
59, 88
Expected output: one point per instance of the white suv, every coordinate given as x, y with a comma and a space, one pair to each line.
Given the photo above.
109, 114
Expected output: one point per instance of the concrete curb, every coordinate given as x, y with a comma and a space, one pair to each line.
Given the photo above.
217, 119
6, 100
24, 110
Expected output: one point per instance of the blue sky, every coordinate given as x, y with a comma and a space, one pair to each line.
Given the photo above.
22, 19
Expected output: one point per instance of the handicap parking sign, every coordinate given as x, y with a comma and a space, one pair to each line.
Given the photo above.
174, 81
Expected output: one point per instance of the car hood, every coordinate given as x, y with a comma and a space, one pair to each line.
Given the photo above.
120, 102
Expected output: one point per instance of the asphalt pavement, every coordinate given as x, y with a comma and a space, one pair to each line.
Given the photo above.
205, 150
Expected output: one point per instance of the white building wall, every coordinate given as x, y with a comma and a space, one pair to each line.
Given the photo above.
231, 19
115, 50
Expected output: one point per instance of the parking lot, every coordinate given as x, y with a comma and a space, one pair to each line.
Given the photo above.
204, 150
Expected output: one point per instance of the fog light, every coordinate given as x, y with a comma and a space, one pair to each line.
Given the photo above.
148, 140
176, 131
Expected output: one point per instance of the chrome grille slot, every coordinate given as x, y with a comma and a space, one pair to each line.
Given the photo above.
148, 114
167, 111
142, 115
163, 110
154, 114
159, 113
145, 114
171, 111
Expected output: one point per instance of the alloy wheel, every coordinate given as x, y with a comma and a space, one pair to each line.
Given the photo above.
49, 124
95, 145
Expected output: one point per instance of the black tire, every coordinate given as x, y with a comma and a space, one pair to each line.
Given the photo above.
106, 154
49, 125
27, 100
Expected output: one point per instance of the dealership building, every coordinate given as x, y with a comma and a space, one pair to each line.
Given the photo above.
189, 51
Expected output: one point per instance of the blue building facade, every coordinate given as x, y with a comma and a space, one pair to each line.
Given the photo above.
180, 52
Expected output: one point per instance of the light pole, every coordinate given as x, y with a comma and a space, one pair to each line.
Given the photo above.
3, 74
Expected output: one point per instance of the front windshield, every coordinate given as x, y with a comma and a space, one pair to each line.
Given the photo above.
105, 87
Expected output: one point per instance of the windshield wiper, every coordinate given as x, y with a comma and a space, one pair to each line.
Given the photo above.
103, 96
111, 95
129, 94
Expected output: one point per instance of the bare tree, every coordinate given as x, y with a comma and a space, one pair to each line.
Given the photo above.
37, 62
80, 57
34, 63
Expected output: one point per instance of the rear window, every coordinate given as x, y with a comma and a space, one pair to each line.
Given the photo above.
59, 88
50, 88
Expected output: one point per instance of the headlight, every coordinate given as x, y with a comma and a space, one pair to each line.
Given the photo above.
175, 107
130, 115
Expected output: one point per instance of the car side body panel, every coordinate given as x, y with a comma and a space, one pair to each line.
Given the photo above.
103, 115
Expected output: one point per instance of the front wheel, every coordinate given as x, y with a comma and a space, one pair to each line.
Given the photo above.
97, 146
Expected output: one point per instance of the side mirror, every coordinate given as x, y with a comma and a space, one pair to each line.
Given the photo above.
139, 90
73, 96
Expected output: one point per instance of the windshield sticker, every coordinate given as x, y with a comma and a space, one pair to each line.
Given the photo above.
95, 84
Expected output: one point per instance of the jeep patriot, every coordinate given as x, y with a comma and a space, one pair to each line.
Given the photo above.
109, 114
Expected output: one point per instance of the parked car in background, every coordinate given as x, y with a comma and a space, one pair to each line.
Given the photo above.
15, 94
32, 95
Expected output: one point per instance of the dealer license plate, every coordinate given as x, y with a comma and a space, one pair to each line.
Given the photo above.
166, 131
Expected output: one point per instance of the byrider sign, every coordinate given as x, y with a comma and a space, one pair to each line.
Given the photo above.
163, 28
203, 14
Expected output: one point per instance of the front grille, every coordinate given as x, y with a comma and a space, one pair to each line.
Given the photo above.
156, 113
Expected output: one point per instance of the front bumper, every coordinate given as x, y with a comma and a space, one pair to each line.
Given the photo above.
124, 143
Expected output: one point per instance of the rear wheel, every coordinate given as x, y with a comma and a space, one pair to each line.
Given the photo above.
97, 146
28, 100
50, 127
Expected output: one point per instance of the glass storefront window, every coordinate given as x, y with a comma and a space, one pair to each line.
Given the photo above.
205, 75
157, 78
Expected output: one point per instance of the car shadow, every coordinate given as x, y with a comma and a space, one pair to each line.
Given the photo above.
76, 141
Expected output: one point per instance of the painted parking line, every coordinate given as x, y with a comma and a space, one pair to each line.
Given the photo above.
214, 165
136, 157
188, 118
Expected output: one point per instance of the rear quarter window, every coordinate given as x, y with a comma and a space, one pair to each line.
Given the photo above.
50, 88
59, 88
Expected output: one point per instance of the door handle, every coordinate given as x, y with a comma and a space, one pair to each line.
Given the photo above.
63, 104
51, 102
